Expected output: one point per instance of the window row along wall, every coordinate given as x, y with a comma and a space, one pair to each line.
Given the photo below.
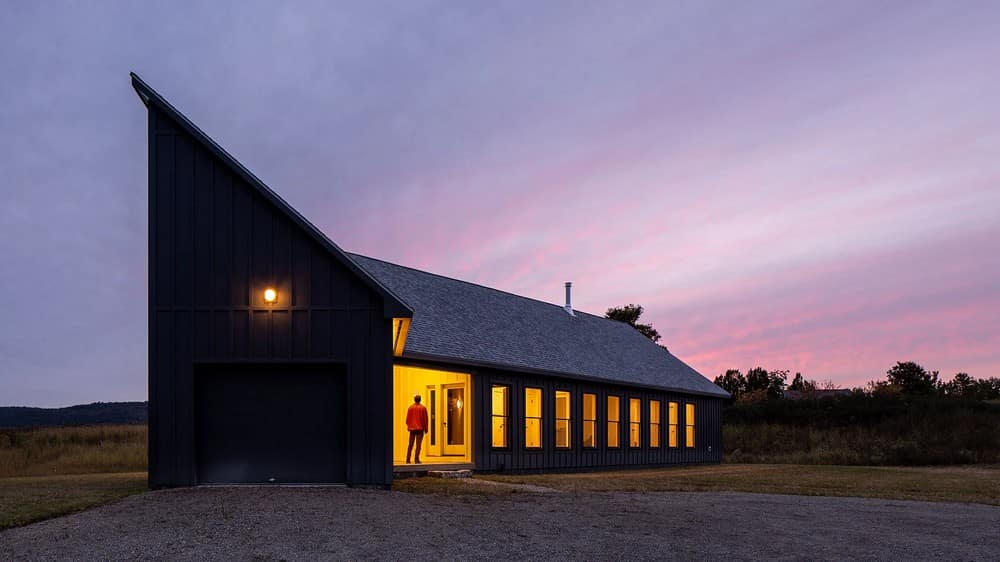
591, 423
533, 423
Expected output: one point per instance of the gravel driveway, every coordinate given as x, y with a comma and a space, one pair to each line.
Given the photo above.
342, 523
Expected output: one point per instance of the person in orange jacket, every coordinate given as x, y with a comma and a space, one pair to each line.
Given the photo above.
416, 423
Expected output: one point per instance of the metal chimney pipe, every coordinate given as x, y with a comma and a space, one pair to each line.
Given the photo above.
569, 300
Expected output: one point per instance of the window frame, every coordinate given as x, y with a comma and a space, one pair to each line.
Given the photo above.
689, 426
673, 419
556, 419
655, 426
506, 417
617, 422
636, 423
540, 418
583, 416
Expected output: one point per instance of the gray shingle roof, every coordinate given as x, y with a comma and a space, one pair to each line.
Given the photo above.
468, 323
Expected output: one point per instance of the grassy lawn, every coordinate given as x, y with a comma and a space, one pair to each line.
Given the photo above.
28, 499
975, 484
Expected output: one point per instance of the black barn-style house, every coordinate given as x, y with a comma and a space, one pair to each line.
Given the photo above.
275, 356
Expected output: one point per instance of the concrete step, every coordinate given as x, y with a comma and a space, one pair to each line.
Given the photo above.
463, 473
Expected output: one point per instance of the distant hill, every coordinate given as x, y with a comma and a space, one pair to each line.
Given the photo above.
84, 414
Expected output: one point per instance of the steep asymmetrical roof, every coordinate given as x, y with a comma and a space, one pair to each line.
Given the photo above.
462, 322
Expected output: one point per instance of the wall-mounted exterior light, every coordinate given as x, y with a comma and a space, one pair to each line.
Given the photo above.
270, 296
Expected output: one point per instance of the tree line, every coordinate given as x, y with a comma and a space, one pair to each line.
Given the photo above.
904, 378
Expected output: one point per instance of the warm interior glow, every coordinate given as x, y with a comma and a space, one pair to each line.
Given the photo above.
634, 419
589, 421
445, 394
614, 417
654, 423
501, 409
672, 421
563, 419
270, 295
400, 329
533, 418
689, 422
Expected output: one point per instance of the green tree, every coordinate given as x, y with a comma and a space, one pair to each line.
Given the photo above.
962, 386
802, 384
758, 379
988, 389
630, 314
762, 384
776, 384
732, 382
912, 378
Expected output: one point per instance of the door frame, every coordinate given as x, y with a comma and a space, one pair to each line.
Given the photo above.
448, 450
434, 453
432, 445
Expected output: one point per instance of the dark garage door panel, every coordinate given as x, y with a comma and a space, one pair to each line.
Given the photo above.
255, 423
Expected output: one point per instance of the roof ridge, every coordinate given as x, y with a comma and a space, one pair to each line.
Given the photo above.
494, 289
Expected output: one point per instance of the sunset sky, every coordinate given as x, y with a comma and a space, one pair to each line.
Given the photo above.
802, 186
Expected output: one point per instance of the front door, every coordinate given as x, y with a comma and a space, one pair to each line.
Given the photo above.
453, 419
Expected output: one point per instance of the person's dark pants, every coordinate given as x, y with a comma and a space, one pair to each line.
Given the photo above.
416, 436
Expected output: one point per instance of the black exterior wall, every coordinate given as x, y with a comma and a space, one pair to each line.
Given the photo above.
215, 244
516, 458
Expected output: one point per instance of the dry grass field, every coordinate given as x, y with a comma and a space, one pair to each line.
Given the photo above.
53, 471
72, 450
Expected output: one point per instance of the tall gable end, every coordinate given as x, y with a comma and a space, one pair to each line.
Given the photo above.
218, 245
179, 146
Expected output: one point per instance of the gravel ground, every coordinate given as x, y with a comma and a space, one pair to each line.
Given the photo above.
342, 523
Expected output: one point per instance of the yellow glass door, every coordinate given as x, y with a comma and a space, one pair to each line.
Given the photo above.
453, 419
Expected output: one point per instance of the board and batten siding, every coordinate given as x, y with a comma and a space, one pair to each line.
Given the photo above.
515, 458
215, 244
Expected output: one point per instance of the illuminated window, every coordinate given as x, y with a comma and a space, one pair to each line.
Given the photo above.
614, 417
563, 419
533, 418
634, 419
589, 421
400, 327
689, 422
501, 411
654, 424
672, 425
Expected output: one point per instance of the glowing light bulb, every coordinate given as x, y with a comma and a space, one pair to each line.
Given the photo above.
270, 295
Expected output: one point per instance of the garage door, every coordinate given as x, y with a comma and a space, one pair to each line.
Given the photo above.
258, 424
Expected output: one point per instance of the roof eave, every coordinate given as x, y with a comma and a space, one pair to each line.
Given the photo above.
416, 356
393, 306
